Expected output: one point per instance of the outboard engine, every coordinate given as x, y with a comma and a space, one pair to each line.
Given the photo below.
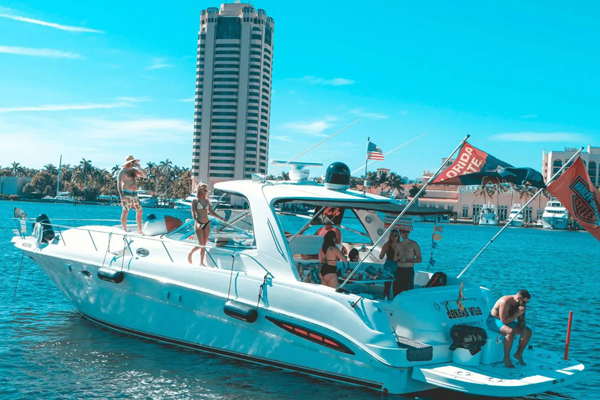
337, 176
47, 232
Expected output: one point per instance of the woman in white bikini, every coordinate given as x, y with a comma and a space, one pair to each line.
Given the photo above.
200, 209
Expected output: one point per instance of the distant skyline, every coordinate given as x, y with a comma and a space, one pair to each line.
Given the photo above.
107, 79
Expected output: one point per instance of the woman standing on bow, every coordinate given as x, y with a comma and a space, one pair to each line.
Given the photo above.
200, 209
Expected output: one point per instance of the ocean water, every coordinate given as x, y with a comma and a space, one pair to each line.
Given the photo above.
47, 351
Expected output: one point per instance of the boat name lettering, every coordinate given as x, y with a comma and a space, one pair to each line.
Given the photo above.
467, 312
26, 244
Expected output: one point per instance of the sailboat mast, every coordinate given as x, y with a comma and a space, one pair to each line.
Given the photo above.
59, 170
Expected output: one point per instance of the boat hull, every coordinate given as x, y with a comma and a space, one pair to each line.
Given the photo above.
555, 222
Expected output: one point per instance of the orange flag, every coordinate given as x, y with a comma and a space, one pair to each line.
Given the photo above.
575, 191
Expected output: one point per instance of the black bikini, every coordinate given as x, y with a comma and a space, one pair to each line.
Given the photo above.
328, 269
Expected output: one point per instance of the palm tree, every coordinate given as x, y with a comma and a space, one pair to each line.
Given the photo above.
116, 168
16, 168
414, 190
86, 165
285, 176
165, 170
51, 169
395, 182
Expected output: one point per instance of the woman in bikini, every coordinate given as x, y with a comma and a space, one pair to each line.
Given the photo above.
329, 255
200, 209
390, 266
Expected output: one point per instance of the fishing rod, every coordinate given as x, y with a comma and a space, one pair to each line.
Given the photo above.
316, 145
361, 262
519, 212
390, 152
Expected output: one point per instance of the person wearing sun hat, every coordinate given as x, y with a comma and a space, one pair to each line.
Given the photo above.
126, 185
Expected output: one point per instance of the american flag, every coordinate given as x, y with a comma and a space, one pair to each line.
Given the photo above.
374, 152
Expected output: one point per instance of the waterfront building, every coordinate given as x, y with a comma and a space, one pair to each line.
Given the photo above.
12, 185
233, 93
553, 160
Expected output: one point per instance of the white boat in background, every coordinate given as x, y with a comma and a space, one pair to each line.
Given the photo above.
63, 197
257, 301
146, 199
488, 215
186, 204
518, 221
555, 216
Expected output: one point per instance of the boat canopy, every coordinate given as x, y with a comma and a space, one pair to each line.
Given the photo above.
378, 206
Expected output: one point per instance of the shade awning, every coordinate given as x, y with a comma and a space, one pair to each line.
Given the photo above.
379, 206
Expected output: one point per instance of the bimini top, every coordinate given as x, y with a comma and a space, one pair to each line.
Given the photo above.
314, 194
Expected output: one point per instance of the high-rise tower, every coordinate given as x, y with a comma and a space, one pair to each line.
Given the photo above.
233, 93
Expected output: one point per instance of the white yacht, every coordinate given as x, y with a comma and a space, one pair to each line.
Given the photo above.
488, 215
555, 216
146, 199
518, 221
257, 301
186, 204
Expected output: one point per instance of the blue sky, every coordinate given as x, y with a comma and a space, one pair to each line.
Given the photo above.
101, 80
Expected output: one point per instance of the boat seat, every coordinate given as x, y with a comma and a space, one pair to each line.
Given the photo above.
415, 351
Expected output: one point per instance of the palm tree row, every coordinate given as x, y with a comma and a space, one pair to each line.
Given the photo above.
84, 180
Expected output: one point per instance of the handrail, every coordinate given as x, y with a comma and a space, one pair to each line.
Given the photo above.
150, 238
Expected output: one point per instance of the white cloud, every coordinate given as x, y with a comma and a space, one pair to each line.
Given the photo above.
190, 100
50, 24
282, 138
529, 116
365, 114
105, 140
314, 128
540, 137
159, 63
26, 51
139, 99
62, 107
313, 80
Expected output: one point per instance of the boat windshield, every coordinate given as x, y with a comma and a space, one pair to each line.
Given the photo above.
221, 235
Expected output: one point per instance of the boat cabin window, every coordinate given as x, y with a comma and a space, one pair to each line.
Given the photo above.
236, 233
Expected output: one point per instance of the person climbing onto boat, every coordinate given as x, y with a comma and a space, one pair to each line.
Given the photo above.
388, 250
508, 318
408, 253
127, 188
329, 255
200, 209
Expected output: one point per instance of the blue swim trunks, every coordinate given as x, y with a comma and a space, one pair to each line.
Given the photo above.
494, 324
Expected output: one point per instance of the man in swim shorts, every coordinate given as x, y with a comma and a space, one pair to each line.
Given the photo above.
508, 318
126, 185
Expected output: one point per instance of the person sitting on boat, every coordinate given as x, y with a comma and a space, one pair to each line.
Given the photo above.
388, 250
508, 318
322, 231
408, 253
200, 209
126, 186
329, 255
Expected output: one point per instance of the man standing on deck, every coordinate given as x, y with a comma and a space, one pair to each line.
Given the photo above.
408, 253
508, 318
127, 188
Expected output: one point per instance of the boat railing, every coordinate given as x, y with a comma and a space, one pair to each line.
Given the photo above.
126, 243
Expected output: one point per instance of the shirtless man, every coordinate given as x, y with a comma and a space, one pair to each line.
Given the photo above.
508, 318
127, 190
408, 253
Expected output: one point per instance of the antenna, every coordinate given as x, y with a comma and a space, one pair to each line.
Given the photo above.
318, 144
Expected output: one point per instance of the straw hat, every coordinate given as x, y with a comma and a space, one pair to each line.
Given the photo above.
131, 159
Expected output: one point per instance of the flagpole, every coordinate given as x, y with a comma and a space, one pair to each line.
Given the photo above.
393, 150
361, 262
366, 165
58, 181
519, 212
